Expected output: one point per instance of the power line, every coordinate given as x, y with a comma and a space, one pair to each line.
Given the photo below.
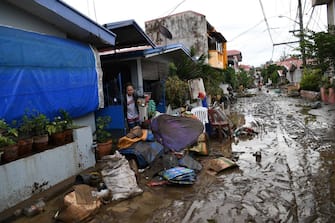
266, 21
170, 11
248, 30
268, 27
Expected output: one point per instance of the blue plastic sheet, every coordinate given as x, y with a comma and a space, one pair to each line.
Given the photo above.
45, 73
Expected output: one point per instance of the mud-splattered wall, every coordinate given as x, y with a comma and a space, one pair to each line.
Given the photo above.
188, 28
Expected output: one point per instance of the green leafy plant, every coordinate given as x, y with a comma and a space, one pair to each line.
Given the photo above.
40, 122
8, 134
101, 133
26, 127
311, 80
325, 82
60, 123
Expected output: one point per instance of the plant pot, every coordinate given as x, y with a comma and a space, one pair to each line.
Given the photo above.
40, 143
62, 138
58, 138
25, 146
68, 136
104, 149
11, 153
331, 96
324, 94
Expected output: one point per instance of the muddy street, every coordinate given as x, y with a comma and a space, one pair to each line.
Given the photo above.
293, 181
289, 180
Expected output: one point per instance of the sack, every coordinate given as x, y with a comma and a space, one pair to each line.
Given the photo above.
118, 177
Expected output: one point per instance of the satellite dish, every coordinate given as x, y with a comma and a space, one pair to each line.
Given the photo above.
165, 32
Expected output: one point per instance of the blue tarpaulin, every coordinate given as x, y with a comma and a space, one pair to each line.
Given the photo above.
45, 73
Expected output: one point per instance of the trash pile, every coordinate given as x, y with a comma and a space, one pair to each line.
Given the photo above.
164, 154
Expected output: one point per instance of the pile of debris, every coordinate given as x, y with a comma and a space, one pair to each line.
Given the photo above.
165, 154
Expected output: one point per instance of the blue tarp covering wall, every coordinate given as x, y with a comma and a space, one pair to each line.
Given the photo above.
45, 73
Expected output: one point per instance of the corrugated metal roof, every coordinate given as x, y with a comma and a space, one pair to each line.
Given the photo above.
173, 50
65, 18
129, 34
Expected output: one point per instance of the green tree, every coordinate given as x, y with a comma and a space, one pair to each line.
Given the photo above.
320, 46
311, 80
271, 72
177, 91
244, 78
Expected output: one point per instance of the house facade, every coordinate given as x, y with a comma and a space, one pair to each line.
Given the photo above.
49, 61
293, 70
234, 57
193, 31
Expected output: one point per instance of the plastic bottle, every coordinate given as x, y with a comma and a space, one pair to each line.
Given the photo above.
35, 208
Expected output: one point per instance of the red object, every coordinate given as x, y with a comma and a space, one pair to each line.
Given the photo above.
157, 183
201, 95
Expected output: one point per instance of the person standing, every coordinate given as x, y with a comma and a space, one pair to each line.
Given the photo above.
131, 106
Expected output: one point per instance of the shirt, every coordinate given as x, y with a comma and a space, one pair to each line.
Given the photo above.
131, 108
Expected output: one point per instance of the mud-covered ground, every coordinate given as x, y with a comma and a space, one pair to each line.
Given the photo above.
293, 181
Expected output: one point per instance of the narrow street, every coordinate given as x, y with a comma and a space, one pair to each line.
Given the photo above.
292, 182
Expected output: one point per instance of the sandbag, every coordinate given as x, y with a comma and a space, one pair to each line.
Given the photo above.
119, 178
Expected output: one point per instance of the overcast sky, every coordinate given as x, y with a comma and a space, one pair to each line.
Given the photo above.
241, 22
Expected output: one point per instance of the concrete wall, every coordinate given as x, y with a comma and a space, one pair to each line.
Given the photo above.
188, 28
25, 177
310, 95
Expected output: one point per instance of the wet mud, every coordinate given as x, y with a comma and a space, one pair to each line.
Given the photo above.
285, 173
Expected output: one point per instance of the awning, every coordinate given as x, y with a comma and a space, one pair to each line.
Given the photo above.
129, 34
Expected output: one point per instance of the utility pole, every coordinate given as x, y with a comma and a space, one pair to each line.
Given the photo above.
302, 39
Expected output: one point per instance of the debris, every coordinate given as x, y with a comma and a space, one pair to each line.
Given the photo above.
179, 175
245, 131
219, 164
74, 212
34, 209
258, 156
316, 105
118, 177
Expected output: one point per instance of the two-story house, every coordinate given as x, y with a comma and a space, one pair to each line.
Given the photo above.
194, 32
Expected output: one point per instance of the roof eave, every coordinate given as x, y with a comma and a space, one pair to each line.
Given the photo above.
69, 20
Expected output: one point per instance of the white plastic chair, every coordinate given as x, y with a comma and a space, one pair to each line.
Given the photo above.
202, 114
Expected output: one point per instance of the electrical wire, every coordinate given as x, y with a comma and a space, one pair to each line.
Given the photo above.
248, 30
170, 11
266, 21
267, 25
310, 18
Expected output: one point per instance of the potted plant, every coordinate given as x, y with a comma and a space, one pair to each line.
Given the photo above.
25, 130
60, 129
324, 90
103, 136
40, 134
8, 142
68, 127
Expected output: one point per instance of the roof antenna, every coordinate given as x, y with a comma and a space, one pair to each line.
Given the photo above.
165, 32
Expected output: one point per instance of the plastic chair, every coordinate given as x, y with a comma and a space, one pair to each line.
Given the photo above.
219, 122
202, 114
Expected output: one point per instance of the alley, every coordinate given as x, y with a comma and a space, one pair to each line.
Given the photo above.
292, 182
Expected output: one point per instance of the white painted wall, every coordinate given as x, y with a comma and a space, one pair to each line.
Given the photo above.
22, 178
